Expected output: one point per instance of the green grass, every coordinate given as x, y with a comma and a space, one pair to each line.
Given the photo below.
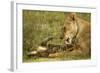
38, 25
57, 59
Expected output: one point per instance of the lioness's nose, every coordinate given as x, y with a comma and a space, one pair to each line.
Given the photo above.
68, 41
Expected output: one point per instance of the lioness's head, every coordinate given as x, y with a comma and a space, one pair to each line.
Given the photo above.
69, 29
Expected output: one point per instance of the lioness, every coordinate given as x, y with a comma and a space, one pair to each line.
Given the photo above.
77, 31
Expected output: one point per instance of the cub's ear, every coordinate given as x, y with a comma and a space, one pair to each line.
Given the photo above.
73, 16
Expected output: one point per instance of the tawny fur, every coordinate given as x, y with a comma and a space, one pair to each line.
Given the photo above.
84, 32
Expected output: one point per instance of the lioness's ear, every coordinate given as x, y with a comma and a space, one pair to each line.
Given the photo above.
73, 16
